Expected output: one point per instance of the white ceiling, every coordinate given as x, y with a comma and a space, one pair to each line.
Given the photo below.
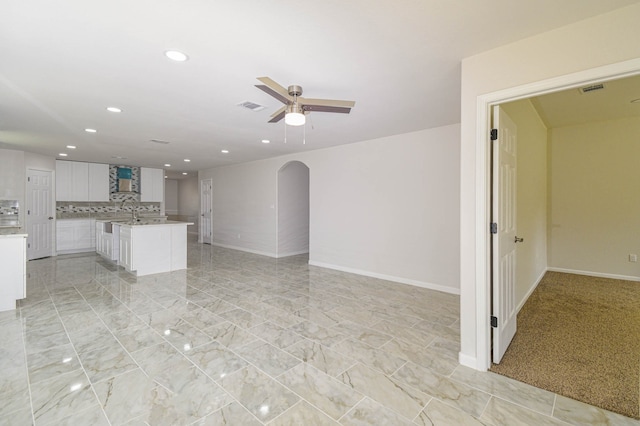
62, 63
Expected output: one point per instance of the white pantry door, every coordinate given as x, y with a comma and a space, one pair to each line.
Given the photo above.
205, 211
503, 232
40, 215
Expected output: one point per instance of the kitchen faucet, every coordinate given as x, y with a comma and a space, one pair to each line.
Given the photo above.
134, 208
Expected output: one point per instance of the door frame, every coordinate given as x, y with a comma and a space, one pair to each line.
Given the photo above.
484, 103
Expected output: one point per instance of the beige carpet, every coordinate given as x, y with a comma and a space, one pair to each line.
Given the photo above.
579, 337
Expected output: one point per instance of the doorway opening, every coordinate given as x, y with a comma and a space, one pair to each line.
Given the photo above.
484, 103
206, 212
40, 214
579, 205
293, 210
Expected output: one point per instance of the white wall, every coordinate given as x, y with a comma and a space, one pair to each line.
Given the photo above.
531, 206
171, 196
189, 202
387, 207
293, 209
595, 205
582, 52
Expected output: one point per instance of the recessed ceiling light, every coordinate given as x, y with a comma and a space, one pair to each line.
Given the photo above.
114, 109
167, 165
186, 160
265, 141
62, 154
175, 55
71, 146
90, 130
224, 151
184, 173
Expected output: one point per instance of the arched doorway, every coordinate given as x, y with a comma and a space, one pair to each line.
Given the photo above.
293, 209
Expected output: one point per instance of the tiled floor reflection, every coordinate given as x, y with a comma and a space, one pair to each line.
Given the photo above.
240, 339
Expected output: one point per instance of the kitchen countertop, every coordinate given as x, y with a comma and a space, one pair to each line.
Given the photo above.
106, 217
144, 222
2, 235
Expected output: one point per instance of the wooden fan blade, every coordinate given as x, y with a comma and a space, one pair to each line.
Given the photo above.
320, 108
274, 89
270, 91
278, 115
326, 103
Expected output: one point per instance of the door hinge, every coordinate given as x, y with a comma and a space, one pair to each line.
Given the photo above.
28, 245
494, 228
29, 179
494, 322
28, 212
494, 134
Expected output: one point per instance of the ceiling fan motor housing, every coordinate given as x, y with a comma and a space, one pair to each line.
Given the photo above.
295, 90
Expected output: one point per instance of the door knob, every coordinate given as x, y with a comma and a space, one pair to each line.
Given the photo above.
50, 218
519, 240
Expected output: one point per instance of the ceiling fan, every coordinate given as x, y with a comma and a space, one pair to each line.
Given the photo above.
295, 106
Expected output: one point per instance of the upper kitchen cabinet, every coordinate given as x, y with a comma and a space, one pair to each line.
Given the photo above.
151, 185
79, 181
72, 181
98, 182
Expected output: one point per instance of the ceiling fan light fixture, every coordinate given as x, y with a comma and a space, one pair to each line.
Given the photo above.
294, 116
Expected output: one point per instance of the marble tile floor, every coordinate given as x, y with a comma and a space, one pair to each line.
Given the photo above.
241, 339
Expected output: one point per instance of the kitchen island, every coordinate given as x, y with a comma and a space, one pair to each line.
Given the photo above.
143, 246
13, 285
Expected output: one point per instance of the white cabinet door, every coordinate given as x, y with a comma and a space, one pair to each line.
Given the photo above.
82, 234
100, 238
72, 181
75, 235
151, 185
65, 237
125, 248
98, 182
63, 180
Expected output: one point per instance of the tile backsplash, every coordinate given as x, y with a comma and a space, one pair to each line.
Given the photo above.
101, 209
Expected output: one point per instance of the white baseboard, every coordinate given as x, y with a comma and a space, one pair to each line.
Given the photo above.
401, 280
293, 253
261, 253
595, 274
531, 290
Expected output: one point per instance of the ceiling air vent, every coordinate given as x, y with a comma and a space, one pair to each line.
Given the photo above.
591, 88
251, 105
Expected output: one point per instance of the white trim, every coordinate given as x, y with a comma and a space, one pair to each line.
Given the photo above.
293, 253
484, 103
400, 280
531, 290
596, 274
261, 253
468, 361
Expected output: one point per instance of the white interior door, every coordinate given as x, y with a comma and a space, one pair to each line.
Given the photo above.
40, 215
503, 232
205, 211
